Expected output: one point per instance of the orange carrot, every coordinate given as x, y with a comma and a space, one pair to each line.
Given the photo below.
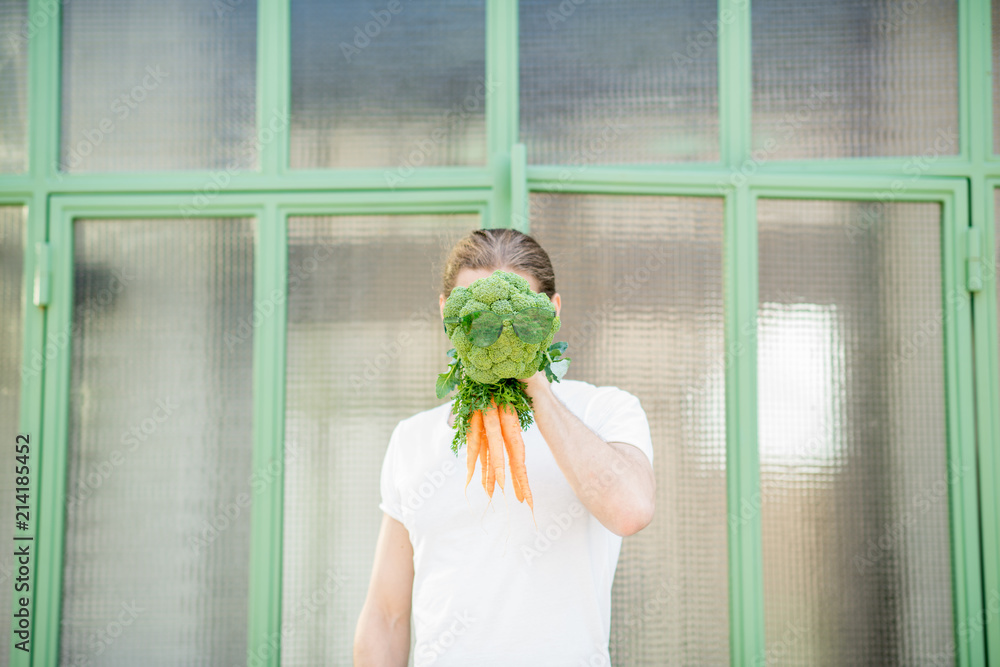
508, 442
484, 461
491, 477
494, 437
474, 441
511, 428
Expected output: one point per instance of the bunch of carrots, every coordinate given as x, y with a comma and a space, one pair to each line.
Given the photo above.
489, 434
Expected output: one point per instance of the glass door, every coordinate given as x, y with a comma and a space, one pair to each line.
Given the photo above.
148, 525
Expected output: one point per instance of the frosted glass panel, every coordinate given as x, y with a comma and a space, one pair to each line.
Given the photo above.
365, 346
397, 89
641, 283
854, 78
159, 463
12, 221
14, 87
854, 475
627, 81
159, 85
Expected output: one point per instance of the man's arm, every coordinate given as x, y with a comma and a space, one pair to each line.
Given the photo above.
614, 480
382, 637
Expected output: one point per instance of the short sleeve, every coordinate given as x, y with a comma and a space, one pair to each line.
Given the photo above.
617, 416
391, 500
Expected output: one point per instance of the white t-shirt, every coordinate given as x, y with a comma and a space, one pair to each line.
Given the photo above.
489, 588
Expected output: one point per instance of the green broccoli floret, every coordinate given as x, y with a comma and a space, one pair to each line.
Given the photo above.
502, 307
517, 282
480, 359
491, 288
471, 306
461, 342
509, 357
508, 368
505, 347
456, 301
520, 301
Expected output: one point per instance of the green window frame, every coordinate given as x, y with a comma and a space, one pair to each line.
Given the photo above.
963, 184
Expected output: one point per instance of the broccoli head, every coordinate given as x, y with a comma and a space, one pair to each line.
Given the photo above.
508, 357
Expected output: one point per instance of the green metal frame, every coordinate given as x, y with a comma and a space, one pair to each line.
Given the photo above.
270, 273
963, 184
30, 421
952, 194
748, 640
987, 342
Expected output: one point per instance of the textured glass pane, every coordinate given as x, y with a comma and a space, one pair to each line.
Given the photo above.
378, 88
641, 283
157, 536
854, 78
159, 85
853, 463
628, 81
14, 84
12, 219
365, 347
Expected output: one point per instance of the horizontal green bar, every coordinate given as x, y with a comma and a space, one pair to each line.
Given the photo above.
177, 205
718, 181
540, 177
221, 180
797, 186
809, 186
11, 199
611, 181
476, 201
929, 164
12, 185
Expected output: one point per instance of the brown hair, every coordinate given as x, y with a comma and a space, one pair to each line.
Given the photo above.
499, 249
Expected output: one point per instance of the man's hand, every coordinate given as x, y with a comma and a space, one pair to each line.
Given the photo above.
614, 480
537, 384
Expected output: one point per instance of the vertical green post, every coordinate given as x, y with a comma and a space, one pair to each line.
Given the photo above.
30, 421
46, 458
502, 104
975, 108
974, 80
52, 467
735, 93
44, 69
270, 275
960, 438
987, 373
273, 85
519, 188
746, 597
270, 287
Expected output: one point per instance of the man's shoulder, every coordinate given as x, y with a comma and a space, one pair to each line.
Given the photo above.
426, 418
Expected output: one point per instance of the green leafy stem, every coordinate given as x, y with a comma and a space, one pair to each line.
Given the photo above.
474, 395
